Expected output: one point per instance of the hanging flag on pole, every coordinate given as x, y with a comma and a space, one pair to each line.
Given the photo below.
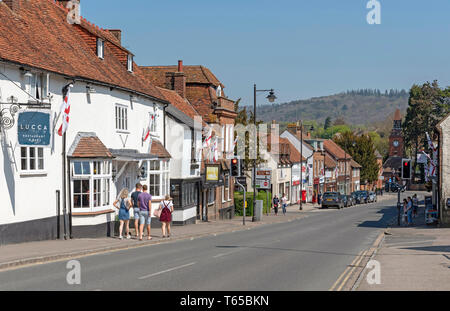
65, 109
149, 128
207, 141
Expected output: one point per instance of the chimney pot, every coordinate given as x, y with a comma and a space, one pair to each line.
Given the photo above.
180, 66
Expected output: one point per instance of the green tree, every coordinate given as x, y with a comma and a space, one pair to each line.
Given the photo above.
362, 150
327, 123
427, 105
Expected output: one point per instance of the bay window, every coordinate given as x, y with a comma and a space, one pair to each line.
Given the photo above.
91, 184
159, 179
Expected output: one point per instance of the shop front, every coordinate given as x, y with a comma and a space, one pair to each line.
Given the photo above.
186, 200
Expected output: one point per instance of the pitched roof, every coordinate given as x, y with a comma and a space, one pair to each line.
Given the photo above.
88, 145
159, 150
294, 154
194, 74
329, 162
37, 35
180, 103
336, 151
355, 164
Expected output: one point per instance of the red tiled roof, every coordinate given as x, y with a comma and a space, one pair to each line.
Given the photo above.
329, 162
194, 74
159, 150
38, 36
336, 151
178, 102
88, 145
294, 154
397, 115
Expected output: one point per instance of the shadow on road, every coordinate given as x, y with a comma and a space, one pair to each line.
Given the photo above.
439, 249
285, 250
388, 215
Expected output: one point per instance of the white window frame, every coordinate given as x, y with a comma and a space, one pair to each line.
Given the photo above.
101, 48
121, 118
211, 198
104, 176
35, 161
38, 82
163, 175
130, 63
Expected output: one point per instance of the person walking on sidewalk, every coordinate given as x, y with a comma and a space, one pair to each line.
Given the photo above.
415, 205
145, 218
166, 210
134, 201
405, 212
284, 203
410, 211
276, 202
124, 212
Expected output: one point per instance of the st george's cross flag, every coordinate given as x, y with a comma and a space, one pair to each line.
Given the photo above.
149, 128
207, 141
65, 109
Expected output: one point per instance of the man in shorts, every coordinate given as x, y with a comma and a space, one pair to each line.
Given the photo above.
145, 203
134, 202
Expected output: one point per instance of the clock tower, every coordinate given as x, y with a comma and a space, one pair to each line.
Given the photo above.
396, 145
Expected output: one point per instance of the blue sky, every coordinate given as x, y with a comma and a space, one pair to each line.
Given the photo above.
301, 48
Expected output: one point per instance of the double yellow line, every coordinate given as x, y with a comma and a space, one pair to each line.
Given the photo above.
340, 283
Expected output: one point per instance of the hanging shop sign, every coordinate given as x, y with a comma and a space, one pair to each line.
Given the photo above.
212, 173
33, 128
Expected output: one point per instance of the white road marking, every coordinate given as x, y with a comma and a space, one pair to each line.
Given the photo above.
168, 270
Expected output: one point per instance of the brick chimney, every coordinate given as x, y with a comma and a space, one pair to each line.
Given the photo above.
176, 81
116, 33
14, 5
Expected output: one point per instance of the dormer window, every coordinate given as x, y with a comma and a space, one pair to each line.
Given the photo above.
130, 63
100, 48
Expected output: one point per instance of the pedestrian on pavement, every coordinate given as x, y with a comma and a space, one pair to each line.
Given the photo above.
276, 202
405, 211
134, 202
415, 205
124, 212
284, 203
145, 218
410, 211
166, 210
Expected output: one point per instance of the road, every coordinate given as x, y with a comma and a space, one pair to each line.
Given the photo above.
306, 254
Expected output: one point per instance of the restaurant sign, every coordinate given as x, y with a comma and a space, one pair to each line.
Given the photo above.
33, 128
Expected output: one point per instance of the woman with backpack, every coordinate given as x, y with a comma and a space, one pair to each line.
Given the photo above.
124, 212
165, 212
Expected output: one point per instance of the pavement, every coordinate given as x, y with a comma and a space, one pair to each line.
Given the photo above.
17, 255
304, 250
413, 258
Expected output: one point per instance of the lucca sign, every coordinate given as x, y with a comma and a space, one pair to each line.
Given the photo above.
33, 128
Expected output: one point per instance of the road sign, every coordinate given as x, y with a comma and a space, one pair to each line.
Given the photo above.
263, 178
263, 184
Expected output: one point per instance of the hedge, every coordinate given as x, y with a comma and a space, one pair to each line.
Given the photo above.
239, 202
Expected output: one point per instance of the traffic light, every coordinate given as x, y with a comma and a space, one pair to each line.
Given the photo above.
406, 169
236, 167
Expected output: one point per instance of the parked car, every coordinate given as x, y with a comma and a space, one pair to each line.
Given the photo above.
354, 198
350, 200
362, 197
332, 199
372, 197
344, 199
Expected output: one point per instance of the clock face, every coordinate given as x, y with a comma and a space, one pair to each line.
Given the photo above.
396, 143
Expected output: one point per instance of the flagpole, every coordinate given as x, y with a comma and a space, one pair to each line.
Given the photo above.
64, 184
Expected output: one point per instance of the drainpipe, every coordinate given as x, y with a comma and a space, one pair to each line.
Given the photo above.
164, 124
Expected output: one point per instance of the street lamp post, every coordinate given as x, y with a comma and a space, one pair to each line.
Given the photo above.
271, 97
